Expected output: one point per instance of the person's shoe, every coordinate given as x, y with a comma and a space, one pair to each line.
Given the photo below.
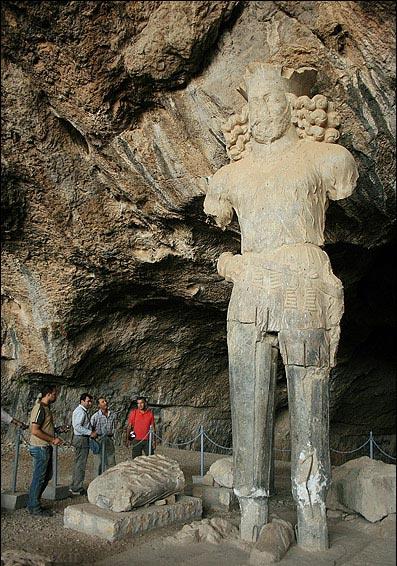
74, 492
83, 491
41, 512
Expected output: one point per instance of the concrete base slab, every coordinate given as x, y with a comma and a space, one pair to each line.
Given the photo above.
12, 501
56, 492
216, 498
93, 520
197, 480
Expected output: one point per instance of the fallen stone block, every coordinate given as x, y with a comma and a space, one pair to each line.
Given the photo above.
216, 498
92, 520
273, 542
210, 531
222, 471
208, 479
135, 483
331, 514
365, 486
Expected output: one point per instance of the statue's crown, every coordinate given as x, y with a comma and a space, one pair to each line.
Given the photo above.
297, 81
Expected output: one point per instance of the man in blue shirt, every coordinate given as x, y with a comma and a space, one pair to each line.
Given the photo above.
82, 431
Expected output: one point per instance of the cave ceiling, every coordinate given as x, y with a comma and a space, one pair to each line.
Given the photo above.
112, 116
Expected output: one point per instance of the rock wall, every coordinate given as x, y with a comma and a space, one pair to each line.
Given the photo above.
112, 117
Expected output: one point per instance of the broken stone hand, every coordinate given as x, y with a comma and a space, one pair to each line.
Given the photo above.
229, 266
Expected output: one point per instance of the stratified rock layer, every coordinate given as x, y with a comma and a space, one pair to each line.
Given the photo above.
112, 116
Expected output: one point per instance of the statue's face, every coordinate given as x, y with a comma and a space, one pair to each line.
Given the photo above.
269, 113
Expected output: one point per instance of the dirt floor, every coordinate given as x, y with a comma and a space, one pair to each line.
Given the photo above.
354, 541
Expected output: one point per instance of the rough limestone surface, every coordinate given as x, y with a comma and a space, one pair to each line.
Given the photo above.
365, 486
207, 479
216, 498
211, 531
22, 558
111, 118
137, 482
222, 471
92, 520
274, 541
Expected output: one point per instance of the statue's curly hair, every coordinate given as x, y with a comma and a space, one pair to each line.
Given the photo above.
314, 118
237, 134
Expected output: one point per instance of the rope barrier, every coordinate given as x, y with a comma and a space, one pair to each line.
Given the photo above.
383, 452
176, 443
162, 440
350, 451
215, 444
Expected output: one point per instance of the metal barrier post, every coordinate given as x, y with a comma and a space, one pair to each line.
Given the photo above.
54, 479
103, 453
371, 445
201, 451
16, 460
150, 439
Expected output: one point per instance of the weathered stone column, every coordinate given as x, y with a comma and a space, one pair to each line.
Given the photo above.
252, 370
310, 459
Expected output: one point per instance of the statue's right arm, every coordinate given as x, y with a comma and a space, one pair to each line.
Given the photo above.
216, 202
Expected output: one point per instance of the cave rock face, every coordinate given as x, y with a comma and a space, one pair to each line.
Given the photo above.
113, 117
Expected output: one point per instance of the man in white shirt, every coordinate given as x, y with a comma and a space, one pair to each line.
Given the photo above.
8, 419
82, 431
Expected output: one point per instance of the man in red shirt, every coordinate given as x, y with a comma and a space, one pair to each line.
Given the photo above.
139, 422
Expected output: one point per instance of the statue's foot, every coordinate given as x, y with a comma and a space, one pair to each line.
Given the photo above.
312, 532
254, 514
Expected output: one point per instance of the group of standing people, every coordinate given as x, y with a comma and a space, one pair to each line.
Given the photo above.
88, 431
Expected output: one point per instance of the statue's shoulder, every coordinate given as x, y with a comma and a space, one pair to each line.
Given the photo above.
334, 164
324, 153
227, 172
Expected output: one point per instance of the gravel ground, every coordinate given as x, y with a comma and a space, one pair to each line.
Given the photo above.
48, 537
354, 541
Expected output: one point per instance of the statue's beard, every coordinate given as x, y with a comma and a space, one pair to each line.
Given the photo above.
270, 129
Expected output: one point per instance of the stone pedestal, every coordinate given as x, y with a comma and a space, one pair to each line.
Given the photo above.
216, 498
56, 492
109, 525
13, 501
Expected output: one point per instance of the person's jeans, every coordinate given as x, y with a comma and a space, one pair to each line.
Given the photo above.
139, 446
110, 459
81, 447
42, 473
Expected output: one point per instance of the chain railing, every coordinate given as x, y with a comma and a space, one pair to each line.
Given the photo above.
152, 435
203, 435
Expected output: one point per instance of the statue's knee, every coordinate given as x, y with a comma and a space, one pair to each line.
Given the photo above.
306, 348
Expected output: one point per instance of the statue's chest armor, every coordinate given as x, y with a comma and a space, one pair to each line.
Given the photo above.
285, 189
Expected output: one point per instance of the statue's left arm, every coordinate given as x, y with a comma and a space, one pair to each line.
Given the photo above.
216, 202
339, 171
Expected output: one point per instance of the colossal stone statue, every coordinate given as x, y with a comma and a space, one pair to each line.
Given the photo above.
285, 297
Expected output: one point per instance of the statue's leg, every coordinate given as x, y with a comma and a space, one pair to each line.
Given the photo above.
309, 428
252, 370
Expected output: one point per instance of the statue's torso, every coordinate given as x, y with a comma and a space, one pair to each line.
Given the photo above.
284, 279
280, 202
